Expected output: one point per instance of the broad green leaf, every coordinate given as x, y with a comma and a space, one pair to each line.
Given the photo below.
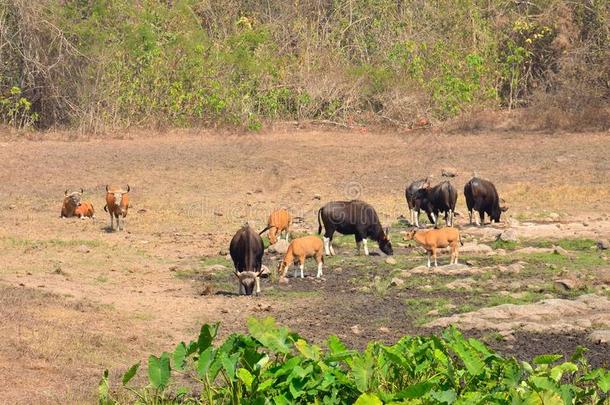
444, 397
335, 345
415, 390
159, 371
180, 356
265, 385
362, 370
130, 373
206, 336
205, 360
181, 391
245, 377
469, 356
103, 388
603, 380
368, 399
270, 336
558, 371
311, 352
546, 359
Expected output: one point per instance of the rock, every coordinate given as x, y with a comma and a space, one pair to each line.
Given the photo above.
603, 244
558, 250
317, 197
356, 329
461, 284
475, 248
218, 213
567, 284
529, 250
515, 285
284, 280
600, 336
433, 312
338, 269
507, 335
383, 329
511, 268
397, 282
554, 215
508, 235
391, 261
83, 249
205, 289
281, 246
585, 224
223, 252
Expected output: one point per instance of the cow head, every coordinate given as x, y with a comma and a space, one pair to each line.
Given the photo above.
385, 244
72, 200
410, 235
503, 207
247, 281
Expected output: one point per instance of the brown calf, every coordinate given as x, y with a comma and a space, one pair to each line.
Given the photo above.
433, 239
300, 249
279, 221
117, 203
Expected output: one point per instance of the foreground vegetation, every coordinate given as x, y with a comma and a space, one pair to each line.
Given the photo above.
102, 63
272, 365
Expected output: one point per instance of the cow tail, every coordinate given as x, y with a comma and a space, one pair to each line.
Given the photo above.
319, 221
264, 230
461, 243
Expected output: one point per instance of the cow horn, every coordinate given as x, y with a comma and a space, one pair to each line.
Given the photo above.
128, 188
66, 192
387, 230
106, 187
81, 190
236, 274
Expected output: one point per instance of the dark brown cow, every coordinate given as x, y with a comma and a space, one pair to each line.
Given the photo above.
246, 250
482, 196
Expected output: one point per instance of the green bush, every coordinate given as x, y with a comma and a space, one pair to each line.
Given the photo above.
271, 365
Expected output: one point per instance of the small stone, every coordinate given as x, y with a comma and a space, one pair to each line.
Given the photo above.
554, 215
12, 207
218, 213
508, 235
83, 249
383, 329
338, 269
600, 336
449, 172
223, 252
558, 250
397, 282
356, 329
433, 312
284, 280
317, 197
391, 261
567, 284
215, 268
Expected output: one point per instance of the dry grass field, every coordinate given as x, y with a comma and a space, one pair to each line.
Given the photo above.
76, 298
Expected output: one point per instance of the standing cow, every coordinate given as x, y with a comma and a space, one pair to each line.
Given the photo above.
410, 192
246, 250
482, 196
117, 203
352, 218
437, 199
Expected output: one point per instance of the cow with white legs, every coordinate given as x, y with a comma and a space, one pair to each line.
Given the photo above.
352, 218
434, 239
247, 250
117, 204
437, 199
300, 249
482, 196
410, 192
279, 221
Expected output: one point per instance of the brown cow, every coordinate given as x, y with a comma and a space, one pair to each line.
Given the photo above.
434, 239
300, 249
85, 210
117, 203
71, 202
279, 221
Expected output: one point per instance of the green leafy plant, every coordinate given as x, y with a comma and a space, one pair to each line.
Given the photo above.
271, 365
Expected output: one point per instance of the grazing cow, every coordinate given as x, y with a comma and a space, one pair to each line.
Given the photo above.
352, 218
279, 221
85, 210
246, 250
300, 249
433, 200
71, 202
410, 192
433, 239
117, 203
482, 196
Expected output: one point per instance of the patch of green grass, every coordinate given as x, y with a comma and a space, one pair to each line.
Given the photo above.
279, 293
420, 307
506, 245
568, 244
101, 279
45, 243
212, 260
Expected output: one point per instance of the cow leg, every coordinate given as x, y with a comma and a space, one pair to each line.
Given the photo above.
416, 216
434, 219
302, 265
450, 218
319, 273
482, 218
242, 290
470, 217
258, 285
330, 245
429, 253
111, 222
294, 275
287, 235
366, 249
434, 254
457, 253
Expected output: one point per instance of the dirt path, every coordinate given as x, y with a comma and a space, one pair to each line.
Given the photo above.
116, 297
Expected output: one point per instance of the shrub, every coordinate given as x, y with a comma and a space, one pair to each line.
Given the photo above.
273, 365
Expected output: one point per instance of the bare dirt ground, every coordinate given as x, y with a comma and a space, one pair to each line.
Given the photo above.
76, 299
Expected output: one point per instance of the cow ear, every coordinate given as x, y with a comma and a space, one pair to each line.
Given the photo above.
66, 192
